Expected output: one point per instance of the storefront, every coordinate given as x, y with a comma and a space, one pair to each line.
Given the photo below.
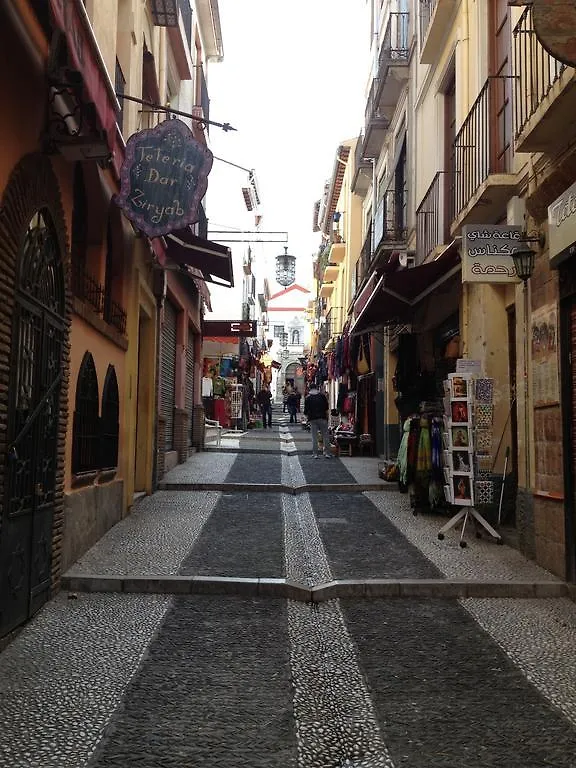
562, 257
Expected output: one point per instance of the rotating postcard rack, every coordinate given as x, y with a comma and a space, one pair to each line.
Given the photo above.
467, 440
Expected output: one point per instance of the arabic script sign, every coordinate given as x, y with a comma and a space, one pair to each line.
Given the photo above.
487, 253
164, 177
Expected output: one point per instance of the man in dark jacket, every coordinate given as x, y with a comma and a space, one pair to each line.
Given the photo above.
316, 410
264, 400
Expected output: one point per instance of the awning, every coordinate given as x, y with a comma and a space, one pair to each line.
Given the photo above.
71, 18
393, 298
276, 365
212, 261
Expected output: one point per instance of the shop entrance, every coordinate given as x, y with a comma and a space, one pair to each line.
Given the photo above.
569, 420
38, 335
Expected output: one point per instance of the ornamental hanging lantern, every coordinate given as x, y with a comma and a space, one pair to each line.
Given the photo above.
285, 268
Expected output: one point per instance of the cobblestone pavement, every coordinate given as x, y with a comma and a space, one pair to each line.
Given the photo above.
120, 680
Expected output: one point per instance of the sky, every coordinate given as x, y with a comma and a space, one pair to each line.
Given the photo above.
292, 83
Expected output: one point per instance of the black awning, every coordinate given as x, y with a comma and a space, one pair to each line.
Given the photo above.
396, 296
212, 260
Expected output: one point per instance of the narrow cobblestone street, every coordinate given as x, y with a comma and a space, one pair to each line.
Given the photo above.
238, 617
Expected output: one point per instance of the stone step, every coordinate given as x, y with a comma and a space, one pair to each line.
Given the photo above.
370, 588
292, 490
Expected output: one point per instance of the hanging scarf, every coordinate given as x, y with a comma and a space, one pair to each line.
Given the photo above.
424, 460
436, 438
402, 459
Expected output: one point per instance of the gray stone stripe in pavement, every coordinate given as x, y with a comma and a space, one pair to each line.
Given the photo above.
266, 470
243, 538
362, 544
539, 636
63, 676
445, 694
214, 690
335, 719
154, 539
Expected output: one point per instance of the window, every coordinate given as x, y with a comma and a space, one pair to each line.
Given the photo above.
110, 422
278, 331
295, 337
86, 423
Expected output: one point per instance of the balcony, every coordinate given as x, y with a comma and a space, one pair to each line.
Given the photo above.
390, 228
337, 253
362, 173
375, 124
389, 83
90, 292
393, 61
326, 290
434, 22
434, 216
176, 15
483, 181
331, 273
545, 92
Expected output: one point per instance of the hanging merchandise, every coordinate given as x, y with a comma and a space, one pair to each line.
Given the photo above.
362, 365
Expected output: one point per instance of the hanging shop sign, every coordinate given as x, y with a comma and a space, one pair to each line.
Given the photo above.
487, 253
230, 328
163, 178
562, 227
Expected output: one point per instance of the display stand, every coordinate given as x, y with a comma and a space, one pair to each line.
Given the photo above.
467, 440
235, 399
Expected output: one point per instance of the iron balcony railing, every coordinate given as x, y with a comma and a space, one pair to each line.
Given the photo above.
89, 290
434, 215
365, 255
114, 314
427, 8
86, 288
395, 46
483, 144
120, 86
390, 219
536, 71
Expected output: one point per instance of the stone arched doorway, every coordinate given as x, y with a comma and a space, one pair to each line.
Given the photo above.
34, 327
294, 372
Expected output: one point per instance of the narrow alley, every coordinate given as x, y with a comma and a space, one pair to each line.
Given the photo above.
265, 609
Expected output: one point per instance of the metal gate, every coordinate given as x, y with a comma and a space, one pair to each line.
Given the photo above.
168, 373
38, 333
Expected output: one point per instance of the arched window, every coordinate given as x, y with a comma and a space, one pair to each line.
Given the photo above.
110, 421
295, 337
86, 429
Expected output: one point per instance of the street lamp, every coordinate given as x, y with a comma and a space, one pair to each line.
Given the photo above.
285, 268
524, 261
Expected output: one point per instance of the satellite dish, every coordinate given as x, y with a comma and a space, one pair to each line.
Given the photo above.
555, 27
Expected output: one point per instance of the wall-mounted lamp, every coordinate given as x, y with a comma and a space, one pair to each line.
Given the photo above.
524, 259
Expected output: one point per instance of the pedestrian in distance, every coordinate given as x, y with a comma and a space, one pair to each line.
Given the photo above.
316, 408
292, 404
264, 400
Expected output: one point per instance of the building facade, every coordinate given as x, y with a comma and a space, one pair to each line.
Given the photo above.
83, 291
464, 110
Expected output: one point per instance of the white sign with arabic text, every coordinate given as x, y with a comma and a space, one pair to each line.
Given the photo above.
487, 253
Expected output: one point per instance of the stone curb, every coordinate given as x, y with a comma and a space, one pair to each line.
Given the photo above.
292, 490
264, 587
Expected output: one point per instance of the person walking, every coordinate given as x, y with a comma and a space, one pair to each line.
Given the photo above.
316, 409
264, 400
292, 404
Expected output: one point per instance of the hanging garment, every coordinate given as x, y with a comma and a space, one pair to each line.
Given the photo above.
424, 460
402, 459
362, 366
436, 443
